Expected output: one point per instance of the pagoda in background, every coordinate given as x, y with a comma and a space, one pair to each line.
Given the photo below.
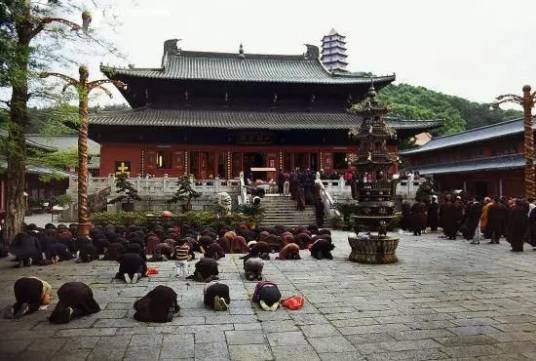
334, 51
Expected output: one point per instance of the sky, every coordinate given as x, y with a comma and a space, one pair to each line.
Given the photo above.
476, 49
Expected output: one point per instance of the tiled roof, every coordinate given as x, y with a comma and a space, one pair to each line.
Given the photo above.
471, 136
38, 169
30, 142
62, 142
241, 120
505, 162
195, 65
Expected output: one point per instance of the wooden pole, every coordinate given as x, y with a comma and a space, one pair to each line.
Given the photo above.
83, 207
528, 103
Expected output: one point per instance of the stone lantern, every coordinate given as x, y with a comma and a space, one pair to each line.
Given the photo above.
375, 208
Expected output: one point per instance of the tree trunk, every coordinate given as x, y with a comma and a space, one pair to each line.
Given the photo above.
18, 122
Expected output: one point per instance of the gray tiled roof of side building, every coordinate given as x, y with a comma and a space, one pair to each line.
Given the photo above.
64, 142
30, 142
504, 162
242, 119
509, 127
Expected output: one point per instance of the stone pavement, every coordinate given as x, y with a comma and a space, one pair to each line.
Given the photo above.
444, 300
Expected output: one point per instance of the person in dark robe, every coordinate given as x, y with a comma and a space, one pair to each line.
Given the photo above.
239, 245
259, 249
206, 270
267, 295
531, 237
216, 296
308, 187
290, 251
152, 241
280, 181
293, 186
433, 214
275, 242
472, 219
449, 218
319, 205
30, 294
303, 240
26, 248
405, 220
57, 252
132, 267
114, 251
496, 223
162, 252
205, 242
418, 218
75, 300
516, 229
253, 268
215, 251
159, 305
66, 237
248, 234
321, 249
300, 198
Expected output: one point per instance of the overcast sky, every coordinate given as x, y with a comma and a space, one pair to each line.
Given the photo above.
476, 49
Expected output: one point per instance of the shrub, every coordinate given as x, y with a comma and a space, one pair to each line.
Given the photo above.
197, 220
336, 222
347, 209
121, 217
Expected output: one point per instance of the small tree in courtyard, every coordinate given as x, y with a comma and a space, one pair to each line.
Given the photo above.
127, 193
185, 192
425, 191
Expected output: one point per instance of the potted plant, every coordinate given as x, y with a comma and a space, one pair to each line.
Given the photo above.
127, 194
185, 192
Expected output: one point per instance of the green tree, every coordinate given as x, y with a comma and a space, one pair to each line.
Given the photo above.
21, 59
457, 114
185, 192
126, 192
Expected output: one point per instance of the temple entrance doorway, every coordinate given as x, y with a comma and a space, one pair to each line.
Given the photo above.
481, 190
254, 160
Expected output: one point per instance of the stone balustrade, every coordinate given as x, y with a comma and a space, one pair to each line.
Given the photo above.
161, 186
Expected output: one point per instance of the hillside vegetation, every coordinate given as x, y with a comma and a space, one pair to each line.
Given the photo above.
457, 114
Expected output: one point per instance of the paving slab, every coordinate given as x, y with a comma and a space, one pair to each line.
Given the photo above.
443, 300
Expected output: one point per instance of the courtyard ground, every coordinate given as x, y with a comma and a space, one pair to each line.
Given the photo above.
443, 300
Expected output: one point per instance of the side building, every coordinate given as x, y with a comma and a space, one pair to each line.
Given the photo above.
215, 115
43, 183
483, 161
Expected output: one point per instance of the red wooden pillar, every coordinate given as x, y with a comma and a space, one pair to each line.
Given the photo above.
229, 165
186, 163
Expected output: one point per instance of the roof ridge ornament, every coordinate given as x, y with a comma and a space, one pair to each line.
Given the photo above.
241, 54
312, 53
170, 48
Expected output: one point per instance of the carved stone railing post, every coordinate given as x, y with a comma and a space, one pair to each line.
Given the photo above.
164, 183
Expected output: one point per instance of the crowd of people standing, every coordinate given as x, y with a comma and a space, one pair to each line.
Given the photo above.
492, 218
301, 186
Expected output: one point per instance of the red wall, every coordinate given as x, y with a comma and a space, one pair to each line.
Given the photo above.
112, 152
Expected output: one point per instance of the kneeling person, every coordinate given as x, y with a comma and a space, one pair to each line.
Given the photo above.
159, 305
75, 300
216, 296
131, 268
30, 294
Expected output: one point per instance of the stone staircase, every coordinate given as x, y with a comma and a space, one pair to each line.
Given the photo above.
281, 210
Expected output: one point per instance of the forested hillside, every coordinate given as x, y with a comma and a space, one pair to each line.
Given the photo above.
411, 102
